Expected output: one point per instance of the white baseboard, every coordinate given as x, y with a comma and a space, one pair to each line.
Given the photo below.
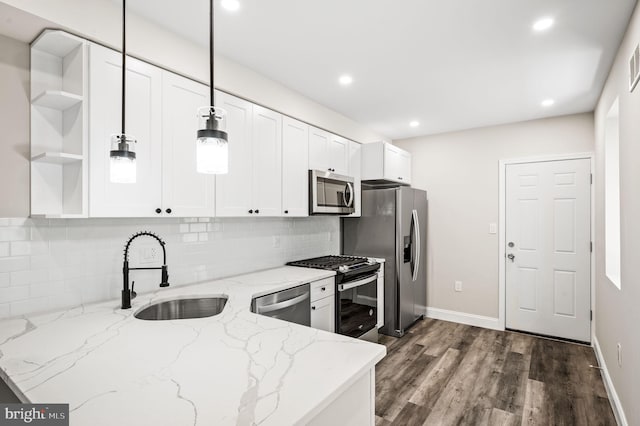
464, 318
616, 405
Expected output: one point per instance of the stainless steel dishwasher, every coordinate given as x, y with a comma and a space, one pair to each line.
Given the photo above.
291, 305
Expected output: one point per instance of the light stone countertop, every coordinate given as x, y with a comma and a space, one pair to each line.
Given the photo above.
233, 368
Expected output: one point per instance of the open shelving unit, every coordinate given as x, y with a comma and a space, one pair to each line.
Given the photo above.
59, 130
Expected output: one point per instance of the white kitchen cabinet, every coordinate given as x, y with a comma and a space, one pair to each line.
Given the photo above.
59, 129
295, 168
143, 120
253, 185
185, 192
355, 171
233, 190
323, 305
328, 152
382, 161
323, 313
267, 162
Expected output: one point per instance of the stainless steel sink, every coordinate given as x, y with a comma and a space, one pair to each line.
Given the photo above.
186, 308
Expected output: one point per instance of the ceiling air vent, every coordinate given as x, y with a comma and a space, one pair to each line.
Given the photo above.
634, 68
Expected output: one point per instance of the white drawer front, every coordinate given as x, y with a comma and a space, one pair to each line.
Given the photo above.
323, 288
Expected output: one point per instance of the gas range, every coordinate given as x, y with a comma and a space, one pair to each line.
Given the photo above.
347, 268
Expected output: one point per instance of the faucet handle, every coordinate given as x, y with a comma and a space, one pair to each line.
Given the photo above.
133, 293
164, 282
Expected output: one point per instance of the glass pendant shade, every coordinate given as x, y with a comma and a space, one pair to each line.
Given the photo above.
122, 159
212, 146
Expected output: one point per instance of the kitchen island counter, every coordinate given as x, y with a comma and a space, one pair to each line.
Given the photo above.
233, 368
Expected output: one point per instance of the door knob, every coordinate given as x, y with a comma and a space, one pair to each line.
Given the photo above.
511, 257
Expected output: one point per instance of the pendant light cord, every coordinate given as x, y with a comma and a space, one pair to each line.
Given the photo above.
211, 44
124, 58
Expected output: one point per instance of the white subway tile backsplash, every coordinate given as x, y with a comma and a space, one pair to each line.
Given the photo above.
20, 248
53, 264
198, 227
11, 294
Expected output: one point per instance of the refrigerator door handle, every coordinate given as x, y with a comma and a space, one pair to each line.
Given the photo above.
416, 229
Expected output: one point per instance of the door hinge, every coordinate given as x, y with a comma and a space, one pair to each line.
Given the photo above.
591, 315
591, 246
591, 178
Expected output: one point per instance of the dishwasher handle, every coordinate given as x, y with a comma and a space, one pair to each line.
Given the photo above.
282, 305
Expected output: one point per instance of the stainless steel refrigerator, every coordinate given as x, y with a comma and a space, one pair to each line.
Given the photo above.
393, 226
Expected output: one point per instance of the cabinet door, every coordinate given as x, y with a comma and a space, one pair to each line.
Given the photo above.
143, 120
338, 153
355, 169
267, 162
318, 149
393, 163
295, 168
233, 190
185, 192
323, 314
405, 164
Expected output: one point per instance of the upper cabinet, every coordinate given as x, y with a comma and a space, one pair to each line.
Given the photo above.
253, 186
161, 114
295, 168
59, 138
328, 152
143, 120
382, 161
185, 192
76, 109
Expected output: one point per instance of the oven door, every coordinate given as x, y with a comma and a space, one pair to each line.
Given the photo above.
330, 193
357, 306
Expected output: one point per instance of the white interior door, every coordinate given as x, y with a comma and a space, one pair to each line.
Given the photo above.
548, 238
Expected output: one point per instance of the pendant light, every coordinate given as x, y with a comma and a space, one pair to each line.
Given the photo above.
122, 157
212, 146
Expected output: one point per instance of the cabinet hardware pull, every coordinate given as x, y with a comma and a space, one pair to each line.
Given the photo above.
286, 212
313, 307
257, 211
158, 211
169, 211
251, 211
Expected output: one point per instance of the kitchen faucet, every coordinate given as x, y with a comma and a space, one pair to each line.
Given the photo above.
127, 294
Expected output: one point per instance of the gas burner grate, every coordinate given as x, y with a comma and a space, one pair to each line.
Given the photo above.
329, 262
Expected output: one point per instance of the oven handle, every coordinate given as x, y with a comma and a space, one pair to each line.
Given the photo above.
352, 284
281, 305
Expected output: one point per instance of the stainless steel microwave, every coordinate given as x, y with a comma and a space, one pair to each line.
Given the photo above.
330, 193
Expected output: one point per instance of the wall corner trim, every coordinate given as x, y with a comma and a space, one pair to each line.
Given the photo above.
614, 400
465, 318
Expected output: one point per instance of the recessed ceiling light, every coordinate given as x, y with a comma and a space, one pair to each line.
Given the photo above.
230, 5
548, 102
543, 24
414, 123
345, 80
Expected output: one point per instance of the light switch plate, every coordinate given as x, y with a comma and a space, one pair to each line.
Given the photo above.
493, 228
458, 285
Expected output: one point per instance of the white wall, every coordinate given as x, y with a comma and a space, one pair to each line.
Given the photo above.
460, 173
617, 313
100, 21
48, 265
14, 122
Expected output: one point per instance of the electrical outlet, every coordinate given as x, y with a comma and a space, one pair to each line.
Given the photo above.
148, 254
458, 286
619, 355
276, 241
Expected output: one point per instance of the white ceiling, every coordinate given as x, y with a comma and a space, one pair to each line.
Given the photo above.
451, 65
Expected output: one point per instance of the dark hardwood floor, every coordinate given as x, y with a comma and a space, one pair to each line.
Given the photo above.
443, 373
